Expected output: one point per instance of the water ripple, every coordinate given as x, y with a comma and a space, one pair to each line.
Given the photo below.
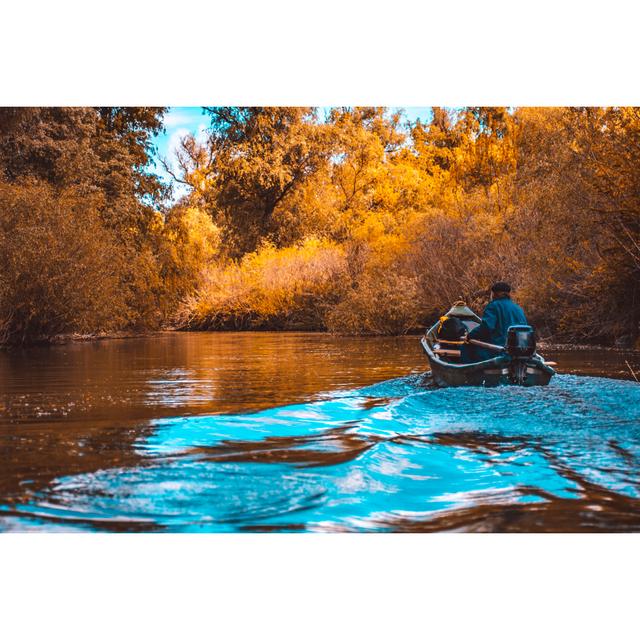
394, 456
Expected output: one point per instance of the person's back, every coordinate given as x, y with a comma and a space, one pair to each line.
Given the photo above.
501, 313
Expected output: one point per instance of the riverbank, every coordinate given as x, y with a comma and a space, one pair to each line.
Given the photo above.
66, 338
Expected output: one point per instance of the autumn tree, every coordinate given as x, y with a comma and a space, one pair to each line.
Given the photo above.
61, 270
77, 219
435, 142
350, 219
579, 216
365, 139
253, 160
104, 151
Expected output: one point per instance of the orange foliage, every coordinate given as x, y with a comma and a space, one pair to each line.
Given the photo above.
355, 221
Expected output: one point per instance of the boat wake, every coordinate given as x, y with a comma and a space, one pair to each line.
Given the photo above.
394, 456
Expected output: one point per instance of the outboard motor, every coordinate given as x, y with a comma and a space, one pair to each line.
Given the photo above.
521, 345
521, 341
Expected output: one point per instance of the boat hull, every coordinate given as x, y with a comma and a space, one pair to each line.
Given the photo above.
488, 373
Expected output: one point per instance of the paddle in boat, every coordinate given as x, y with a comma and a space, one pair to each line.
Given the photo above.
515, 363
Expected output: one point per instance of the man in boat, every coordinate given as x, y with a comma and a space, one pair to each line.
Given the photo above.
498, 316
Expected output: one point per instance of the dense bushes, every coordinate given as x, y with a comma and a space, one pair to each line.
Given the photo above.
57, 276
80, 240
352, 222
381, 303
544, 198
269, 288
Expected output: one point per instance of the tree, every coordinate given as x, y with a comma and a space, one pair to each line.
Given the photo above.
103, 151
436, 142
77, 219
57, 275
252, 161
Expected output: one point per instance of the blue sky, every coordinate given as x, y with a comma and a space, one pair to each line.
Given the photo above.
180, 121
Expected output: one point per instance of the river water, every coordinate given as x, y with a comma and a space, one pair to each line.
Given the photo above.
189, 432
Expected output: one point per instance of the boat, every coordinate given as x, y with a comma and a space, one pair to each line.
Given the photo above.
516, 363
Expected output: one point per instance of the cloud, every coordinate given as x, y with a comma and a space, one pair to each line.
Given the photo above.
182, 117
168, 153
177, 119
173, 143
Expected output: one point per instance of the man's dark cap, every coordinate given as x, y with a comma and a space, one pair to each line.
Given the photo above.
501, 287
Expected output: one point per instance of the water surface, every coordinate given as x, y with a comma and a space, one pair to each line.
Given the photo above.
308, 432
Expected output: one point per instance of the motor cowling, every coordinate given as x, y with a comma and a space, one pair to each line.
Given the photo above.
521, 341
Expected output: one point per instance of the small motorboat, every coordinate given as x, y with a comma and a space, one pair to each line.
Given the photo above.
517, 363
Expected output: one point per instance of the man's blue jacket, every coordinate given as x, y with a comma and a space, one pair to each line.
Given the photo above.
497, 317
